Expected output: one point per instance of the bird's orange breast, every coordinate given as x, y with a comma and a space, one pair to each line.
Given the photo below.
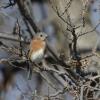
36, 45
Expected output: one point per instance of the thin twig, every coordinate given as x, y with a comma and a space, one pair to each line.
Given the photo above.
88, 32
59, 92
7, 36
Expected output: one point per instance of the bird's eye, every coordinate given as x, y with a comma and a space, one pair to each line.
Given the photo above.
41, 35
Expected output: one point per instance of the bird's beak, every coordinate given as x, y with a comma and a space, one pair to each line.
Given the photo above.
46, 35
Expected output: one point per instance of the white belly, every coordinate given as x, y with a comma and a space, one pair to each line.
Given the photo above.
37, 56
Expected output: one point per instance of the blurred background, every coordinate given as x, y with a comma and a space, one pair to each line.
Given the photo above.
18, 86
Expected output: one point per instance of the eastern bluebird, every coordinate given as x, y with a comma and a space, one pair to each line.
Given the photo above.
37, 47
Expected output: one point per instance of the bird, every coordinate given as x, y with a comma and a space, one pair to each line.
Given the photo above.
37, 47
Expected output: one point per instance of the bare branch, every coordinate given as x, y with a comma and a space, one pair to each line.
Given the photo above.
88, 32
